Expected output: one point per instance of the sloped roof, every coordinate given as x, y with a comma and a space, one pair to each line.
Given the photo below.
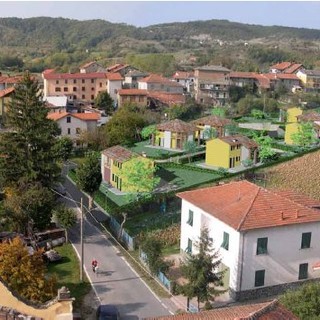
177, 125
114, 76
79, 75
167, 97
6, 91
117, 67
264, 82
10, 80
56, 101
119, 153
132, 92
88, 64
247, 75
293, 68
271, 310
183, 75
156, 78
245, 206
281, 65
213, 121
239, 139
281, 76
88, 116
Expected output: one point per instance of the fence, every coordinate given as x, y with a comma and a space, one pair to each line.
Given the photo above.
125, 238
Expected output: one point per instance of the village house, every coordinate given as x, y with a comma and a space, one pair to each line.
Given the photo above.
230, 151
286, 67
310, 79
73, 124
132, 77
211, 85
244, 79
185, 78
114, 159
155, 82
248, 224
160, 99
288, 81
92, 67
174, 134
135, 96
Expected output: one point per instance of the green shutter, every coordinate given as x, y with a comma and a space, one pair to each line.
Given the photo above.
259, 278
303, 271
306, 240
262, 246
190, 219
225, 242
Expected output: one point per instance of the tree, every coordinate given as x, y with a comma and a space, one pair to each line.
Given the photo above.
103, 101
25, 273
138, 175
200, 270
66, 217
146, 132
88, 174
190, 147
265, 147
257, 114
27, 150
64, 147
96, 140
220, 112
303, 302
209, 133
305, 136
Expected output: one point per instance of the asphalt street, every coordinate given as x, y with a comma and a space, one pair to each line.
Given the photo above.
116, 282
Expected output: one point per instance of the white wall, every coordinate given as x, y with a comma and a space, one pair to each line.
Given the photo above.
73, 125
245, 153
112, 86
216, 229
167, 139
281, 264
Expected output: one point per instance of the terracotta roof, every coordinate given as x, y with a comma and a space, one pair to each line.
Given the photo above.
239, 139
114, 76
155, 78
264, 82
177, 126
167, 98
271, 310
309, 116
48, 71
132, 92
281, 66
10, 80
117, 67
57, 76
281, 76
88, 64
213, 121
183, 75
6, 91
82, 116
293, 68
247, 75
119, 153
246, 206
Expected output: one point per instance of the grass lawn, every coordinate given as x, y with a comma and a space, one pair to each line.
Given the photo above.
144, 146
181, 177
67, 273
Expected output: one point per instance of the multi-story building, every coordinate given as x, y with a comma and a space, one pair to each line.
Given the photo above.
268, 241
310, 79
212, 85
135, 96
155, 82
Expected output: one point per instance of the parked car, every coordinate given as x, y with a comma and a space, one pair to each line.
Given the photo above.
107, 312
52, 256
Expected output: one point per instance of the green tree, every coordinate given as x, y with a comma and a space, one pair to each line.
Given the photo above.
138, 175
209, 133
88, 174
265, 147
218, 111
27, 150
103, 101
64, 147
257, 114
66, 217
190, 147
147, 131
25, 273
305, 136
200, 270
303, 302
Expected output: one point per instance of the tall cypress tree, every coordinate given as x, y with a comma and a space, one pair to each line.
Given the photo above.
27, 150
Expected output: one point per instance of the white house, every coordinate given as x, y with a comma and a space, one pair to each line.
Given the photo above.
73, 124
114, 83
268, 241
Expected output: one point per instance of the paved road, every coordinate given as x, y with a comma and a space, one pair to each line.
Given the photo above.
116, 282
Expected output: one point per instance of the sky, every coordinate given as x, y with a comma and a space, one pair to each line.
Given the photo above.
302, 14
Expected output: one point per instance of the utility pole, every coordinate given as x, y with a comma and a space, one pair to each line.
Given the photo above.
81, 241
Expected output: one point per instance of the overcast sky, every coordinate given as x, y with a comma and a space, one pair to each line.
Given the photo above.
143, 13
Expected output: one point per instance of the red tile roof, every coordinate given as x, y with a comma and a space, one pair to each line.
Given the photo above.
293, 68
271, 310
82, 116
114, 76
117, 67
183, 75
88, 64
119, 153
247, 75
10, 80
264, 82
132, 92
213, 121
246, 206
6, 91
239, 139
281, 66
57, 76
48, 71
281, 76
167, 98
177, 126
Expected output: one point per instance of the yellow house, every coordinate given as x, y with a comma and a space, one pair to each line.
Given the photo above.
213, 121
228, 152
115, 158
173, 134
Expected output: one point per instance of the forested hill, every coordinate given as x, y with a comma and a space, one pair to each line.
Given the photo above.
41, 42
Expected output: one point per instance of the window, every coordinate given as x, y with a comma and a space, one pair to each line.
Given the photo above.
83, 81
225, 242
69, 131
74, 81
92, 97
92, 89
100, 84
78, 130
74, 89
189, 247
65, 89
303, 271
259, 278
190, 219
262, 246
83, 89
83, 96
305, 240
66, 81
140, 99
58, 89
92, 80
57, 81
68, 119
